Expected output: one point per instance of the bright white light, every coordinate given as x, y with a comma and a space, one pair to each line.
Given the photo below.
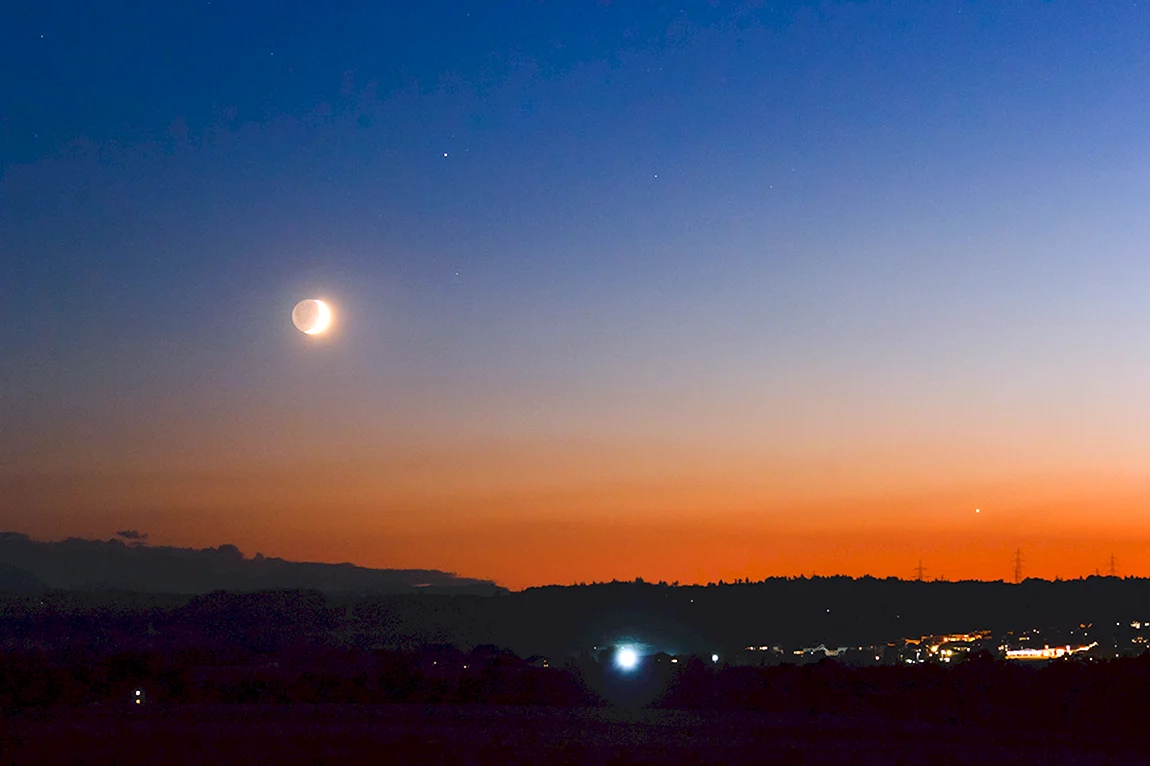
626, 658
714, 658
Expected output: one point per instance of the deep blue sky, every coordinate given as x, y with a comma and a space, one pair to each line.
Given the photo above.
809, 235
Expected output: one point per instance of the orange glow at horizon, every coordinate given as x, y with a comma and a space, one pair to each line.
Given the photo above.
527, 515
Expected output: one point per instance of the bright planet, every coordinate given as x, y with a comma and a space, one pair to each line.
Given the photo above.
311, 316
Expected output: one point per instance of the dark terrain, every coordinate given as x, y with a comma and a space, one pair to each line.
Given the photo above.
124, 588
441, 705
457, 677
494, 734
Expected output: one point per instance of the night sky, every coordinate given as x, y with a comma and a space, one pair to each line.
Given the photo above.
686, 292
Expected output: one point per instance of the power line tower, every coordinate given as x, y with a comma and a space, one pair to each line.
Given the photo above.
1113, 566
919, 571
1018, 566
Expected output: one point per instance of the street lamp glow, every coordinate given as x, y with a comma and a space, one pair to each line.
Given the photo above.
626, 658
714, 658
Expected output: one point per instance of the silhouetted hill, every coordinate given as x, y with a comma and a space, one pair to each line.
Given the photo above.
405, 609
725, 618
804, 611
30, 566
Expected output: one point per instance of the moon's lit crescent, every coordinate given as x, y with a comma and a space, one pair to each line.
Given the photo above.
311, 316
322, 319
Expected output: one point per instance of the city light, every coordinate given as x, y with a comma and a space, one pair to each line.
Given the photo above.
1047, 653
714, 658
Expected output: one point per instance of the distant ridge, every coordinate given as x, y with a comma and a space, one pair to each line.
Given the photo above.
29, 566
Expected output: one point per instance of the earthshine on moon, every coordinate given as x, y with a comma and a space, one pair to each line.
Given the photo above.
311, 316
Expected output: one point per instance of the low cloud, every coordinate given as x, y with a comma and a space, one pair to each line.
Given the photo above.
126, 563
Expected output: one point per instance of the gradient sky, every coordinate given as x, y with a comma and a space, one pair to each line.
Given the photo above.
686, 292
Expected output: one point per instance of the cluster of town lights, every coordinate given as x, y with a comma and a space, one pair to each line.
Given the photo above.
944, 648
1048, 652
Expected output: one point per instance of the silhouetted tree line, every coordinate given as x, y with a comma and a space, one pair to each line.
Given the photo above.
805, 611
554, 621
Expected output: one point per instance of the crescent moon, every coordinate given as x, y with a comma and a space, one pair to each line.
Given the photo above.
322, 319
311, 316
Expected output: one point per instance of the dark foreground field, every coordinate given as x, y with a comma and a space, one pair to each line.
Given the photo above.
482, 734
